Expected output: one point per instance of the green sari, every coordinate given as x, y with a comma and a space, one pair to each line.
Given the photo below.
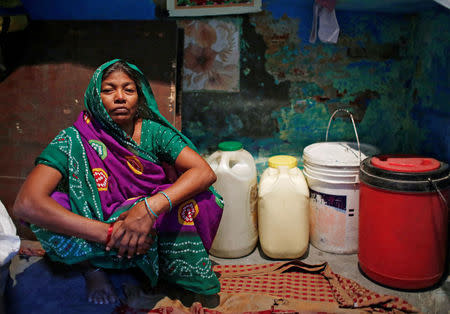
106, 172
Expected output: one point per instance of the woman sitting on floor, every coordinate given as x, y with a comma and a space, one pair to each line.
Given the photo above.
99, 195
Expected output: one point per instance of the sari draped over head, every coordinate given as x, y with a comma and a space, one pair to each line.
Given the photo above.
105, 172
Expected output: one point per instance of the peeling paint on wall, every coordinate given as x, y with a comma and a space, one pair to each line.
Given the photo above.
289, 87
356, 73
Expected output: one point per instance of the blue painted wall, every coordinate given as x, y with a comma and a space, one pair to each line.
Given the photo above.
90, 9
390, 70
430, 89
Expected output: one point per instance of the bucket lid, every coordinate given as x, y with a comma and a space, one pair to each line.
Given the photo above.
230, 146
404, 181
282, 160
343, 154
405, 163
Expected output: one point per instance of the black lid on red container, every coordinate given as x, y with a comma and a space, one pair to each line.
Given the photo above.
405, 173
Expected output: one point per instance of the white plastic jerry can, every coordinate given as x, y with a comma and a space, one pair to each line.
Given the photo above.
283, 209
235, 169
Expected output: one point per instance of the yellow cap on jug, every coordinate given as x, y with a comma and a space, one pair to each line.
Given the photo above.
282, 160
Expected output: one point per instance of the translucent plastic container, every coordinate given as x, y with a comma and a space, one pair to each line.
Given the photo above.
283, 209
235, 169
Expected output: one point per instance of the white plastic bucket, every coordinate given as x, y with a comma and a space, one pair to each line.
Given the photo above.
235, 169
332, 172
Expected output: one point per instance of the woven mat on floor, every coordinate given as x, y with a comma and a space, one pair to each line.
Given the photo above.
287, 287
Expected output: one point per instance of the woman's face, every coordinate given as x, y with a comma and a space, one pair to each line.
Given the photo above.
120, 98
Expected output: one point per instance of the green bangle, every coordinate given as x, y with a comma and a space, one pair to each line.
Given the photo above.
168, 198
149, 208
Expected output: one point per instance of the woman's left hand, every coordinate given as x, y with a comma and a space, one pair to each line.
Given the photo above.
131, 236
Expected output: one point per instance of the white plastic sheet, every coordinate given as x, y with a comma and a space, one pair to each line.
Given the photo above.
9, 241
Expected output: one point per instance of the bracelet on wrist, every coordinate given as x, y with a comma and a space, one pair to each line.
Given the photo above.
150, 210
110, 230
168, 198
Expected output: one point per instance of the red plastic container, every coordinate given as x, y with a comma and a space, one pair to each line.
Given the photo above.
403, 220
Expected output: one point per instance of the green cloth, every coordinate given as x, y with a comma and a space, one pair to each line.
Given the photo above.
95, 106
164, 142
66, 154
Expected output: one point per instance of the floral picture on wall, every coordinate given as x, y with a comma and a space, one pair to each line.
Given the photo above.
212, 7
211, 55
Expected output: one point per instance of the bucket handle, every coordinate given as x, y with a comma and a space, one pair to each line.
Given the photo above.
354, 127
439, 191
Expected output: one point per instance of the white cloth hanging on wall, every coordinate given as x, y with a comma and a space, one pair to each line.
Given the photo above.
325, 24
445, 3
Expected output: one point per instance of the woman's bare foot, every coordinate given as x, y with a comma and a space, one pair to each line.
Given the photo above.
98, 287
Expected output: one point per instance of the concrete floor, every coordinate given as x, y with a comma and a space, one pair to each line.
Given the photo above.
433, 300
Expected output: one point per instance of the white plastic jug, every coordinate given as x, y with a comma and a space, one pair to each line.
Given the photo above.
283, 209
236, 182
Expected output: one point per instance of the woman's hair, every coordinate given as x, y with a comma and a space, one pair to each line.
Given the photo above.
122, 66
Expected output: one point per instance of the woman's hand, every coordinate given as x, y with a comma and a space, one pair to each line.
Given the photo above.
196, 176
131, 232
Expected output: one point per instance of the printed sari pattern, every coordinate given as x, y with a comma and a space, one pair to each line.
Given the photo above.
106, 177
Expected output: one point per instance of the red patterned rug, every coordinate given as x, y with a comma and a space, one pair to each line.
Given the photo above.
284, 287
